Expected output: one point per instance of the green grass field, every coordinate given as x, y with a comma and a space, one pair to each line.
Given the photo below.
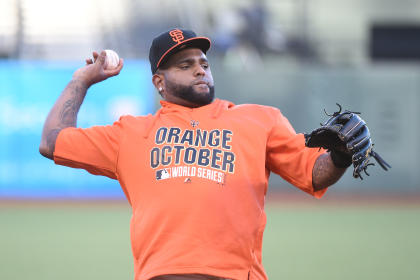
91, 241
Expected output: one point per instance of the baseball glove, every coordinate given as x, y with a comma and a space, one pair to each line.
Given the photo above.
347, 138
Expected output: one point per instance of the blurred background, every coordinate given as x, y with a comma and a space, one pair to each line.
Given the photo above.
301, 56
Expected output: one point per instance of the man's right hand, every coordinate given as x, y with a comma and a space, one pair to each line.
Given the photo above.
64, 112
94, 71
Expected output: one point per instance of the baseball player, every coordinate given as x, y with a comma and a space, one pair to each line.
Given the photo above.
196, 172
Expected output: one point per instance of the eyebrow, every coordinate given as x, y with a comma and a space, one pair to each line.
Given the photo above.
191, 60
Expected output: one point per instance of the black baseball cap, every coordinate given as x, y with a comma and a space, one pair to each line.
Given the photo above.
170, 42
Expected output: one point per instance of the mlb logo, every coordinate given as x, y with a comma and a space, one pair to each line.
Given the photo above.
162, 174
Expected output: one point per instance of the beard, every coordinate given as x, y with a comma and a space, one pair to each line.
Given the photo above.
188, 93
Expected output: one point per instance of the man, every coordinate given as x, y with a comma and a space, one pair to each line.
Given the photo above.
196, 172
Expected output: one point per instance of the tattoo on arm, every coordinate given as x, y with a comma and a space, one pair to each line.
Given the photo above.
66, 115
70, 108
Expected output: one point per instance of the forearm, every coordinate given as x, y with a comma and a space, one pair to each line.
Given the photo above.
63, 114
325, 173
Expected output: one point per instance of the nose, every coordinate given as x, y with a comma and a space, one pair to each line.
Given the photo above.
199, 71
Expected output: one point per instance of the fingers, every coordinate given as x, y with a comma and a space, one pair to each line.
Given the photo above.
95, 55
97, 72
116, 71
90, 60
101, 58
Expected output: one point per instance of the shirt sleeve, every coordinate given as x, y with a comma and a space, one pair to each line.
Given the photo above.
288, 156
94, 149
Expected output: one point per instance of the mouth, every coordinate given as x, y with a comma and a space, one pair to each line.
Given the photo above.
201, 83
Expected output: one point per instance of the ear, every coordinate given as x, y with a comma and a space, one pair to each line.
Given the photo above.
159, 82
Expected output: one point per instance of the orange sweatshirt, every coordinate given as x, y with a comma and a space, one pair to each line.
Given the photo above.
196, 180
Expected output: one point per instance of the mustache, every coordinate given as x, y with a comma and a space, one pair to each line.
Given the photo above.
201, 81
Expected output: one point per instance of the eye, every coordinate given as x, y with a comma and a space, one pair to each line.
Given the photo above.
184, 66
205, 66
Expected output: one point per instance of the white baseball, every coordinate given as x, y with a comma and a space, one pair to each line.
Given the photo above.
112, 60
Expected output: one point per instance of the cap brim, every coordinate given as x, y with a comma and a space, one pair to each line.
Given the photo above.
202, 43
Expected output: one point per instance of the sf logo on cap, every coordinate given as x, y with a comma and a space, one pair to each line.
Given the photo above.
177, 35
